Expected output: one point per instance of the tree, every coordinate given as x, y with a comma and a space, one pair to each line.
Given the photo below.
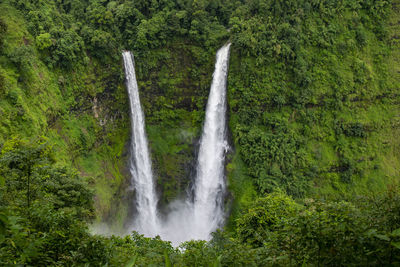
43, 41
264, 217
21, 161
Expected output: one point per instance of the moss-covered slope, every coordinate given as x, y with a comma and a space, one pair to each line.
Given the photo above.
313, 91
82, 111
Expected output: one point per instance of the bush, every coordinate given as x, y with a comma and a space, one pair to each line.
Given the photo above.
43, 41
264, 217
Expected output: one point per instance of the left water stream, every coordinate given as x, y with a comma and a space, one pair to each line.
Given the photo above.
146, 221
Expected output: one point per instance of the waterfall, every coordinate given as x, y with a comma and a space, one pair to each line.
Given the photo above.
146, 220
208, 203
187, 219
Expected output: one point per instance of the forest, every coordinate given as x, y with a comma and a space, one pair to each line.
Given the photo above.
313, 169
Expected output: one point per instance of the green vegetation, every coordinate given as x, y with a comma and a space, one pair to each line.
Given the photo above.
44, 209
72, 107
313, 115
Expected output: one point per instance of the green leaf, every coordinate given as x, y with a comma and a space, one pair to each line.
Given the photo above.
371, 232
132, 261
396, 232
396, 244
13, 244
382, 237
217, 262
168, 262
60, 233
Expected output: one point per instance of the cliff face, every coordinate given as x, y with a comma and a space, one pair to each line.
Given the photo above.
83, 111
174, 92
313, 93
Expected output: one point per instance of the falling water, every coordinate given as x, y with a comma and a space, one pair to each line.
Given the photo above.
189, 220
146, 221
186, 220
210, 181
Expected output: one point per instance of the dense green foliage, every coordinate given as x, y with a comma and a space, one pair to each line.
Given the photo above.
44, 209
305, 112
313, 112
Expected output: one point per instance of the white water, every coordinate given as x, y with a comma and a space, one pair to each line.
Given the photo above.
146, 220
185, 220
210, 180
197, 220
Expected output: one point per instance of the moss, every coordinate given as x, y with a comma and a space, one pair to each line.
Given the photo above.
240, 186
174, 84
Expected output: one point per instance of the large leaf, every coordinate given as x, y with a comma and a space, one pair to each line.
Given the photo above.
396, 232
132, 261
396, 244
168, 262
382, 237
217, 262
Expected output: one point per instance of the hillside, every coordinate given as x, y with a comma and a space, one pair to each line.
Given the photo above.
314, 115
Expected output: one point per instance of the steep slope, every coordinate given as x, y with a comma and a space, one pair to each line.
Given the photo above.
318, 115
77, 101
313, 90
79, 111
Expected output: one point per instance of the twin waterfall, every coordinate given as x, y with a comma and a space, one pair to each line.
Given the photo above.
186, 220
146, 221
210, 181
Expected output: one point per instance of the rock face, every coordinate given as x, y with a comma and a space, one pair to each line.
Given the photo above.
174, 101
